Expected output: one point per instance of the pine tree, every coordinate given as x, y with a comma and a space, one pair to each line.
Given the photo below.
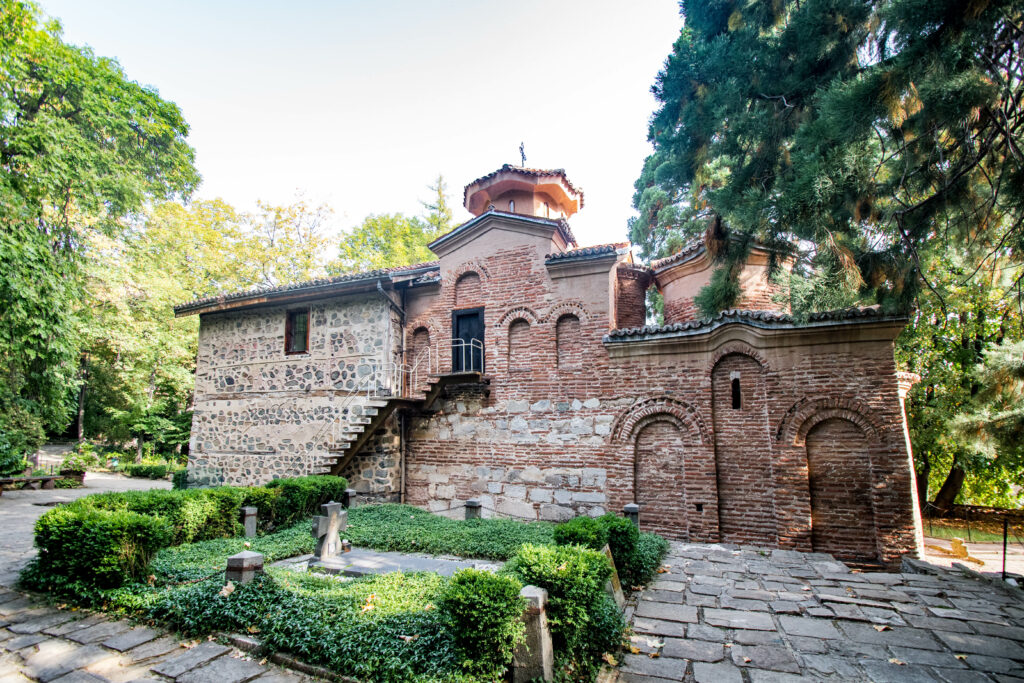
874, 131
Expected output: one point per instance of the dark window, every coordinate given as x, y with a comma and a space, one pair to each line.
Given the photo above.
296, 332
736, 400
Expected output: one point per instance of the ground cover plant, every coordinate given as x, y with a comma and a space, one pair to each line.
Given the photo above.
409, 529
143, 555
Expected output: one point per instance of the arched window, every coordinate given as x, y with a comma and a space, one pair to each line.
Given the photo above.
568, 339
511, 206
519, 345
468, 290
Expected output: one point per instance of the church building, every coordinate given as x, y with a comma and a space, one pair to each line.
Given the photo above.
518, 369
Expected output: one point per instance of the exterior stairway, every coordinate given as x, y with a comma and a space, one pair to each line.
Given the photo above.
358, 430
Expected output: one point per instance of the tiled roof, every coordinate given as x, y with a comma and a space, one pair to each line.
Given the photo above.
686, 252
294, 287
532, 172
560, 223
586, 252
763, 319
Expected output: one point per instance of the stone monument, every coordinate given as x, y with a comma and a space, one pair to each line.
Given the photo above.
327, 529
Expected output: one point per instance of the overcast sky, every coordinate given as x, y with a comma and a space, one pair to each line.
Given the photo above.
361, 104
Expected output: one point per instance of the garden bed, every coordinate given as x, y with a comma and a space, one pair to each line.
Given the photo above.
392, 627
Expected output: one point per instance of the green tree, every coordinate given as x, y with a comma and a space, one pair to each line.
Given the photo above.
391, 240
871, 130
81, 149
877, 141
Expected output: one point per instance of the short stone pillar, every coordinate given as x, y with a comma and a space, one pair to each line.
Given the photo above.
473, 507
243, 567
349, 498
632, 512
612, 586
534, 658
327, 529
249, 521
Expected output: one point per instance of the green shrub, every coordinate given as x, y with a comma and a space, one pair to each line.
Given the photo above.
409, 529
195, 514
102, 548
584, 531
67, 484
179, 480
636, 560
144, 471
81, 459
574, 578
302, 497
483, 611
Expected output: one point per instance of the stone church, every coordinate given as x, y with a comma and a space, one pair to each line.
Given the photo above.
517, 369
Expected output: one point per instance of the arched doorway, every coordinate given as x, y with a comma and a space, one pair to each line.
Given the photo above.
842, 513
659, 477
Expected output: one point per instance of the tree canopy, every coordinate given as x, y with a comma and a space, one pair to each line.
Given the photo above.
82, 148
877, 142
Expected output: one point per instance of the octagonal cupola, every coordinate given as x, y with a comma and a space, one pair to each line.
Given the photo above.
527, 191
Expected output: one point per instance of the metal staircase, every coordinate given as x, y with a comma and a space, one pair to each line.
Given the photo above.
389, 387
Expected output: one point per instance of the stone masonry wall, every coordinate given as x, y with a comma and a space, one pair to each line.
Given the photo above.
549, 440
261, 414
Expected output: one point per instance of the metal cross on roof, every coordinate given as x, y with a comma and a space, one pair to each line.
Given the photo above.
522, 154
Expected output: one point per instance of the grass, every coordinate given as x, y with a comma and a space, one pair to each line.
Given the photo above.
957, 528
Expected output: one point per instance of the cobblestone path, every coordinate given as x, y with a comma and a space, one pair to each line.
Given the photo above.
39, 643
721, 615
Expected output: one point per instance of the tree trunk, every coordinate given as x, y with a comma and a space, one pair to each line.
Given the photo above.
950, 489
81, 402
922, 485
138, 449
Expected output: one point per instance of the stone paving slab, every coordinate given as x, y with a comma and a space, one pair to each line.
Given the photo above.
751, 615
64, 646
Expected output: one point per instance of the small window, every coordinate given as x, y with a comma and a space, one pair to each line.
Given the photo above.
296, 332
736, 398
547, 210
511, 206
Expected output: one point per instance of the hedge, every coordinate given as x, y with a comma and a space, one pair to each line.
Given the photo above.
145, 471
90, 541
637, 556
585, 622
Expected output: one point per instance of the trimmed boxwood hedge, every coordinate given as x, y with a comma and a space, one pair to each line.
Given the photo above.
637, 556
107, 539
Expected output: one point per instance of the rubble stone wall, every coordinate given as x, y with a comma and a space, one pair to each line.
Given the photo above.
261, 414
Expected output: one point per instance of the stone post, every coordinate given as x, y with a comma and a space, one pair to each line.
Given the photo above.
473, 506
632, 511
243, 567
534, 658
348, 498
249, 521
327, 529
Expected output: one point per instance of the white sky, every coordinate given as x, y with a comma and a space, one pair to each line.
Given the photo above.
361, 104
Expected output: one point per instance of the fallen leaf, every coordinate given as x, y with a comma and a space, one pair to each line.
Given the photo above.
662, 570
728, 644
367, 607
253, 629
893, 660
882, 627
805, 588
961, 657
227, 590
610, 659
634, 649
151, 579
429, 607
409, 639
263, 661
653, 655
247, 544
562, 567
746, 660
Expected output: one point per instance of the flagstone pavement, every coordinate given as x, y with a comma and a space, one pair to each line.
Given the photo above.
723, 614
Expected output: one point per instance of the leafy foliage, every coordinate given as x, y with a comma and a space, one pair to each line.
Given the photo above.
82, 149
637, 556
584, 620
483, 611
409, 529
